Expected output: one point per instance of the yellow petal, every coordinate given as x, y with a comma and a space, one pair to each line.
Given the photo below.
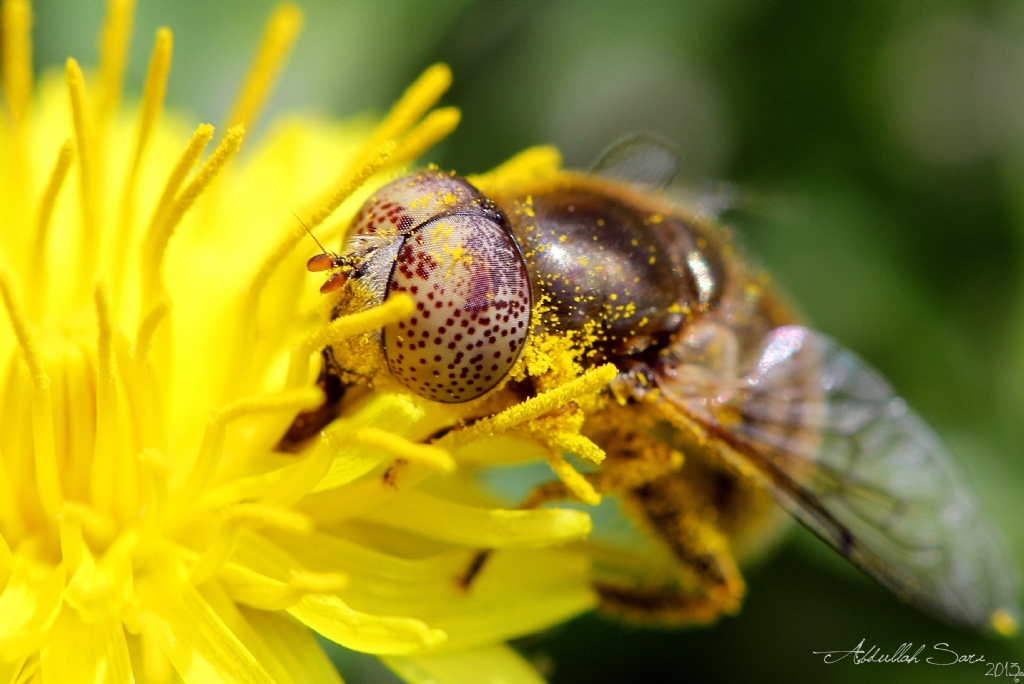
497, 664
10, 669
516, 592
86, 652
294, 645
228, 612
199, 645
28, 606
329, 616
479, 527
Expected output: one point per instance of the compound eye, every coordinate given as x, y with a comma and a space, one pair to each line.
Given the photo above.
472, 315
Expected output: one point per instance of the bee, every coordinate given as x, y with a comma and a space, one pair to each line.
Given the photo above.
724, 401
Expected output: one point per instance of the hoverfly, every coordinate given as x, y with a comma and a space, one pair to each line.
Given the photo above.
711, 363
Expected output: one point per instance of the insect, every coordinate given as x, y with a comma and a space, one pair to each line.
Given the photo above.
723, 400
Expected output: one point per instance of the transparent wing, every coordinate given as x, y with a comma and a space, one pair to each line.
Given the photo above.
644, 159
854, 464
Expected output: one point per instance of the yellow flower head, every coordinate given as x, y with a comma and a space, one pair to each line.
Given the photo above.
160, 335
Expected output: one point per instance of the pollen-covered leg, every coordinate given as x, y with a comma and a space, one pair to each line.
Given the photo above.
712, 583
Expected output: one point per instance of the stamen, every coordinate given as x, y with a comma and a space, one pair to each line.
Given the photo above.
396, 308
575, 444
46, 203
155, 662
208, 459
196, 144
414, 103
10, 520
16, 56
147, 329
97, 526
400, 447
87, 175
105, 468
156, 468
576, 483
435, 126
213, 166
71, 543
160, 235
235, 517
152, 103
286, 594
317, 582
6, 560
304, 478
350, 181
114, 40
588, 383
47, 474
532, 163
146, 402
282, 28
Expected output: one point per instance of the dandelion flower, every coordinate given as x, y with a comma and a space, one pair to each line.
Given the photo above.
159, 336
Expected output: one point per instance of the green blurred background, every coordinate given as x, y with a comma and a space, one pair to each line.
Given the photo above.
877, 150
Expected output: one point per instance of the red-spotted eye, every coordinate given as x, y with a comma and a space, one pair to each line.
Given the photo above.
472, 316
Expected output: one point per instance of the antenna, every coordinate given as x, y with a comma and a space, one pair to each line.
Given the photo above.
318, 244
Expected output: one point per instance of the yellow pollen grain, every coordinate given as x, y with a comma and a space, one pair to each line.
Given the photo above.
278, 37
435, 126
47, 474
115, 38
403, 448
16, 57
588, 383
